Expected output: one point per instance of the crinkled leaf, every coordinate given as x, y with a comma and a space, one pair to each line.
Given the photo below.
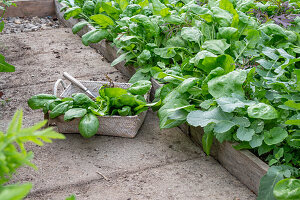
216, 46
226, 85
262, 111
245, 134
203, 118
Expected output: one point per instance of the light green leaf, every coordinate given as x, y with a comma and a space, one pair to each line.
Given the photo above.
102, 20
216, 46
77, 27
262, 111
74, 113
207, 140
256, 140
72, 12
167, 52
245, 134
287, 189
275, 135
191, 34
226, 85
229, 104
140, 87
203, 118
15, 191
223, 126
268, 182
4, 66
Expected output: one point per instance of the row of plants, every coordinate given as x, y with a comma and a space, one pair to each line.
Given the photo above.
222, 67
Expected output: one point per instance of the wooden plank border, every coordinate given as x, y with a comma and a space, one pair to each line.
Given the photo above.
243, 164
31, 8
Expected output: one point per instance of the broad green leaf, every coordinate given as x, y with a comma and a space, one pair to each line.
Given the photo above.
229, 104
223, 126
287, 189
88, 125
271, 53
268, 182
144, 57
60, 109
257, 125
140, 75
113, 92
167, 52
121, 58
256, 140
262, 111
140, 87
159, 8
227, 5
226, 85
200, 56
207, 140
4, 66
74, 113
273, 29
202, 12
88, 8
72, 12
102, 20
203, 118
169, 109
228, 32
275, 135
245, 134
292, 104
2, 26
94, 36
77, 27
222, 17
123, 4
241, 121
125, 111
38, 101
81, 98
191, 34
15, 191
111, 10
216, 46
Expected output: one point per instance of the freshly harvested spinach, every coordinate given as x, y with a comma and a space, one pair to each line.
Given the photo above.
111, 101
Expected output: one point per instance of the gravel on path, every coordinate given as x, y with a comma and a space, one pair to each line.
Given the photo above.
18, 24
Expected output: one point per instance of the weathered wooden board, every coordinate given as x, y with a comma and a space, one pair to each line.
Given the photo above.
242, 164
31, 8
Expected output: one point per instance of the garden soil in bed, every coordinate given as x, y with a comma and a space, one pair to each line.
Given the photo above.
157, 164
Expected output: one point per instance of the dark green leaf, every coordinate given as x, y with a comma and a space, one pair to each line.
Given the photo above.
88, 125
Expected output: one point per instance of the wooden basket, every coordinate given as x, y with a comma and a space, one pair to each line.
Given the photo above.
122, 126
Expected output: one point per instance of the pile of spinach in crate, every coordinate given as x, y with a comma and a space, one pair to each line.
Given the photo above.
223, 68
111, 101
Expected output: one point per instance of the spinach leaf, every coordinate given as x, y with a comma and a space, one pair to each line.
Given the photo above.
88, 125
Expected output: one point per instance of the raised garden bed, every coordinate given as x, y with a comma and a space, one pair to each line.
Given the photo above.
31, 8
244, 165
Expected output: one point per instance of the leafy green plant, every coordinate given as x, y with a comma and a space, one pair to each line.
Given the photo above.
4, 66
13, 153
222, 69
111, 101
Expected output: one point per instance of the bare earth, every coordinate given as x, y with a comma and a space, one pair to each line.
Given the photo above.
157, 164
